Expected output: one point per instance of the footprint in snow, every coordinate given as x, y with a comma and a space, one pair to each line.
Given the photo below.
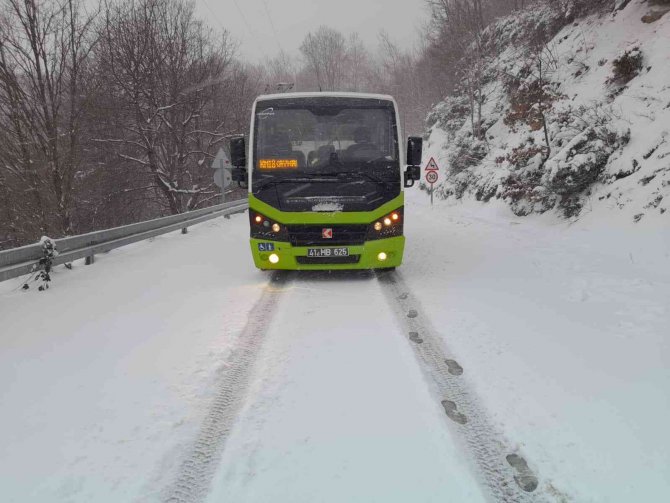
412, 313
403, 296
414, 337
454, 368
524, 478
451, 410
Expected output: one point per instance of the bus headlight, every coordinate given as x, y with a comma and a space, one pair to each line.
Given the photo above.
386, 227
263, 227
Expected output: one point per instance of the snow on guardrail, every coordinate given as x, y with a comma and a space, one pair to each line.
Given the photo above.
19, 261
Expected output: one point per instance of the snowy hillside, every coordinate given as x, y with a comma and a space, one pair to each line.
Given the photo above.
575, 114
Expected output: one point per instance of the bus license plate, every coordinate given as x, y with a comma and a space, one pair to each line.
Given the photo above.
328, 252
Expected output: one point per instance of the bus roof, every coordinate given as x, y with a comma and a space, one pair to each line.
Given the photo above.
326, 94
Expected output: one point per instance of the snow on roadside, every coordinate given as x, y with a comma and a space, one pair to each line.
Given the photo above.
105, 376
562, 329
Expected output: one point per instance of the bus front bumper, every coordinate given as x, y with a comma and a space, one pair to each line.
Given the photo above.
369, 255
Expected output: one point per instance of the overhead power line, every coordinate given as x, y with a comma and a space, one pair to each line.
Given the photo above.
272, 24
250, 33
244, 19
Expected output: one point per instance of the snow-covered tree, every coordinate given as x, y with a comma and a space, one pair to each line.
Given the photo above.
164, 72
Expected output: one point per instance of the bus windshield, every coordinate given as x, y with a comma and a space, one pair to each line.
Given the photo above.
320, 153
325, 135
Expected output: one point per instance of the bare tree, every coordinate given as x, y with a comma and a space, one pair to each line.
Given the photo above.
111, 118
358, 63
457, 40
542, 63
325, 53
165, 73
44, 47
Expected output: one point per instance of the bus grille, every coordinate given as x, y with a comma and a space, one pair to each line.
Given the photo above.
351, 259
311, 235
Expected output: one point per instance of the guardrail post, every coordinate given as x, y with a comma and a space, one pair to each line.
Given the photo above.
90, 259
184, 230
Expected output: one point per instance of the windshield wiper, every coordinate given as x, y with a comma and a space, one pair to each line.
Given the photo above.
302, 178
261, 184
348, 175
324, 176
363, 174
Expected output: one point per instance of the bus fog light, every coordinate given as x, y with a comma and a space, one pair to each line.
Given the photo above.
273, 258
381, 256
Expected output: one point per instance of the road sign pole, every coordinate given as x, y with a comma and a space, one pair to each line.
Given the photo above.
223, 185
223, 188
432, 177
222, 175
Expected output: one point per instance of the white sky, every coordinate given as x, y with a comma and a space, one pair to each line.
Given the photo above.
251, 21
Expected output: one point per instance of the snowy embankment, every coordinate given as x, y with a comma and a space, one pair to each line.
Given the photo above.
601, 85
561, 332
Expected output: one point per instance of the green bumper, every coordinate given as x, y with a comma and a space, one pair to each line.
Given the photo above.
368, 255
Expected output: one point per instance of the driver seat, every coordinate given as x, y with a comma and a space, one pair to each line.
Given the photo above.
363, 149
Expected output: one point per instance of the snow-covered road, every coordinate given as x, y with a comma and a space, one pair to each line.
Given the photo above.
339, 411
172, 368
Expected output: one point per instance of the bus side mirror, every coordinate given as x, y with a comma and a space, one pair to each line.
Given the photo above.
412, 174
414, 148
238, 152
238, 158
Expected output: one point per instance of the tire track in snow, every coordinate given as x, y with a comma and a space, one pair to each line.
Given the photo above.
195, 474
503, 471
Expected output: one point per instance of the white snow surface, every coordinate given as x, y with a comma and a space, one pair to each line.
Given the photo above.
561, 330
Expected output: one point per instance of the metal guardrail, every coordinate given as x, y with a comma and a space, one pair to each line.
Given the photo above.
19, 261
